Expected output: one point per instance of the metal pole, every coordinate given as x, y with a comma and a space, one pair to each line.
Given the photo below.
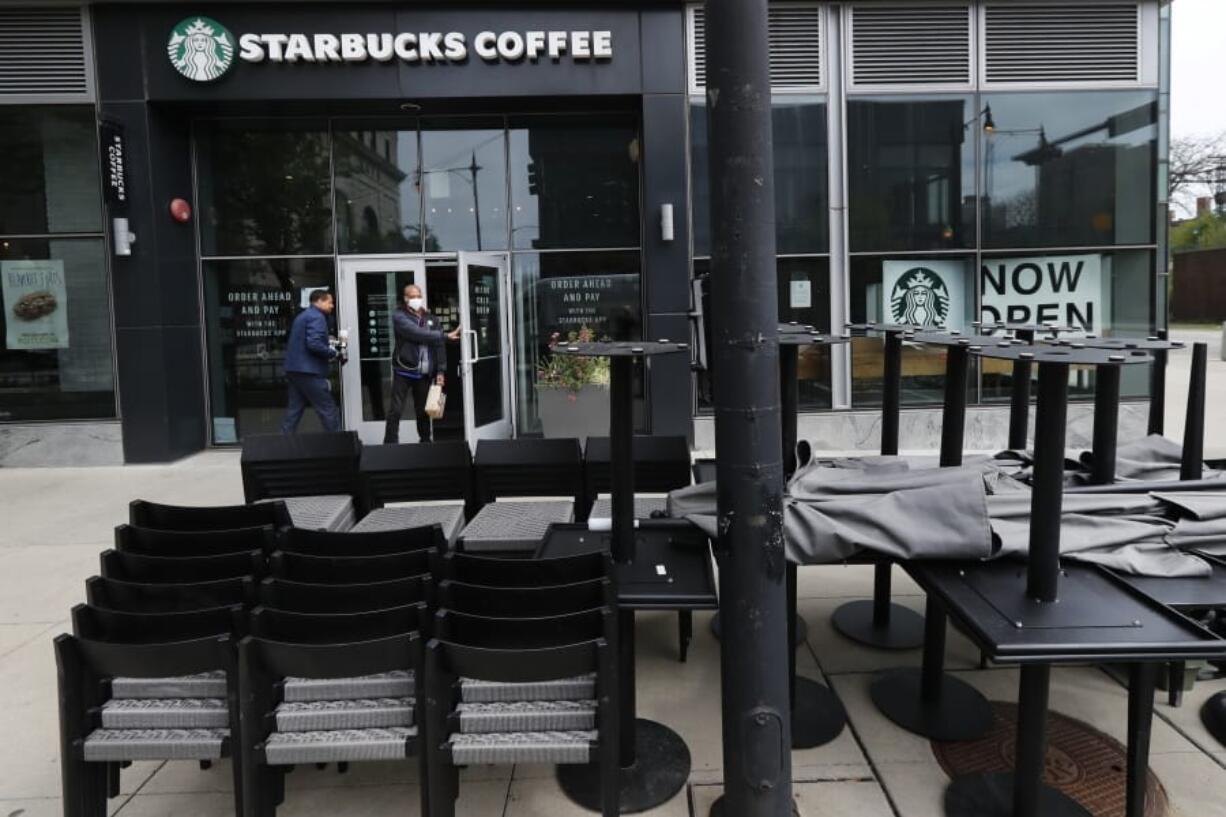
1141, 678
891, 396
1031, 728
1047, 492
1192, 465
953, 415
621, 455
789, 399
1106, 423
1019, 401
1157, 390
627, 695
745, 314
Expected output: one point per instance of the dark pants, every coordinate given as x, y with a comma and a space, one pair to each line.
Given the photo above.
400, 388
315, 391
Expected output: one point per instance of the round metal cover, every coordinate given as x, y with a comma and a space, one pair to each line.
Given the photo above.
1082, 762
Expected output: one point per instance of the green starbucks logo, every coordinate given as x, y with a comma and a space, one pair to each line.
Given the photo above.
201, 49
919, 298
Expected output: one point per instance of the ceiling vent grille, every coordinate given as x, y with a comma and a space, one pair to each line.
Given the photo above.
795, 31
1038, 43
910, 45
42, 53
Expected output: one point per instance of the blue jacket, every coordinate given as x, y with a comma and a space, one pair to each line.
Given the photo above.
308, 351
413, 336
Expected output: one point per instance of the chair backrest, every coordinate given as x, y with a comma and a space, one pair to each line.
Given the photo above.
661, 463
277, 660
528, 467
145, 514
502, 572
154, 542
412, 472
446, 660
137, 597
137, 567
305, 597
298, 567
98, 624
336, 628
524, 602
363, 543
704, 470
151, 660
521, 633
283, 465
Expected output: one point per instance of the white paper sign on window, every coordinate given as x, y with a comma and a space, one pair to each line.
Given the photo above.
1066, 290
35, 304
923, 292
801, 294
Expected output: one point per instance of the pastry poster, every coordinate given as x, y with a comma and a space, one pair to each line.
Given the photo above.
35, 304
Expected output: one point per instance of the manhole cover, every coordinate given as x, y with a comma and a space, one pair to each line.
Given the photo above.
1082, 762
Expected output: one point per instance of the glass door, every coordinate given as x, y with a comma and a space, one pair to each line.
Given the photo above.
369, 290
484, 348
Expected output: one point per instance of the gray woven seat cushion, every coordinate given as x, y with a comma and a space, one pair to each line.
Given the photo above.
526, 716
400, 517
515, 526
154, 744
362, 713
203, 685
338, 745
522, 747
165, 713
582, 688
328, 512
644, 506
395, 684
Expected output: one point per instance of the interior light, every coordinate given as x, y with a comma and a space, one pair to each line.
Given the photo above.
288, 177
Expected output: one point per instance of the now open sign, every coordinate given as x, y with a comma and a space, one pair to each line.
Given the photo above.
1057, 289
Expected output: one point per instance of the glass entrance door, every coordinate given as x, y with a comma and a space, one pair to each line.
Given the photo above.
369, 290
484, 348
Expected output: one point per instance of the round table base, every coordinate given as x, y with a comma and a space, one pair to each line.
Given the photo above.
661, 769
903, 631
802, 629
717, 808
960, 712
818, 716
991, 795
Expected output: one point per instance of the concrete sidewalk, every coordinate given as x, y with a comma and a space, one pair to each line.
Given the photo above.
57, 521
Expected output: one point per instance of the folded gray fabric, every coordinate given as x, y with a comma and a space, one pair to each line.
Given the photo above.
1189, 532
1148, 459
1017, 505
1131, 544
1204, 505
816, 483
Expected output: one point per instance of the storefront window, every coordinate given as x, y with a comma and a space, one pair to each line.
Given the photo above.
935, 291
801, 186
562, 295
378, 191
464, 185
911, 173
1069, 169
49, 167
248, 309
574, 182
264, 189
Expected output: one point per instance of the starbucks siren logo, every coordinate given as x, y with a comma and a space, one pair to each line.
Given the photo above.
201, 49
919, 298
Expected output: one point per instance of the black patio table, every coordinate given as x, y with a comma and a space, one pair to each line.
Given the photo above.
660, 565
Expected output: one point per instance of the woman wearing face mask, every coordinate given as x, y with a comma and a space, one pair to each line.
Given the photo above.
419, 360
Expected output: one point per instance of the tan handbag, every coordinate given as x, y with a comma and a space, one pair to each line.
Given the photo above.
435, 402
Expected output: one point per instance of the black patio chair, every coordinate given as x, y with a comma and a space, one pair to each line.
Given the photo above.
524, 602
142, 597
527, 632
426, 473
185, 518
154, 542
99, 624
361, 543
343, 726
337, 628
137, 567
342, 598
107, 716
494, 571
316, 475
297, 567
661, 464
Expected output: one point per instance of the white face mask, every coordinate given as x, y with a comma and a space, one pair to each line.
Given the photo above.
415, 303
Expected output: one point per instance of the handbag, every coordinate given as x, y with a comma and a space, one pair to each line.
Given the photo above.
435, 402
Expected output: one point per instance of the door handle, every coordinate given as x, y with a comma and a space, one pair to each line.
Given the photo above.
472, 349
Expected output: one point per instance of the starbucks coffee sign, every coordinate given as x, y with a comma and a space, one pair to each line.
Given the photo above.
202, 49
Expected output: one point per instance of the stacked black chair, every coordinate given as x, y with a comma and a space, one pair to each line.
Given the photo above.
361, 543
140, 568
184, 518
316, 475
155, 542
536, 468
661, 464
417, 485
522, 669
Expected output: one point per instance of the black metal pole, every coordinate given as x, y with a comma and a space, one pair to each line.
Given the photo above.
1192, 464
953, 415
1141, 679
1032, 698
1157, 389
789, 403
1106, 423
1019, 401
627, 695
621, 444
1047, 492
749, 468
891, 394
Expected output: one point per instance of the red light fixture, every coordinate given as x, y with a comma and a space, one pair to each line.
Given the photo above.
180, 210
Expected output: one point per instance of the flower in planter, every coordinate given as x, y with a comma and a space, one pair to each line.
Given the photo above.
571, 372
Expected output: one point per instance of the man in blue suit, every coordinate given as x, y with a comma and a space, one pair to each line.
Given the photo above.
307, 357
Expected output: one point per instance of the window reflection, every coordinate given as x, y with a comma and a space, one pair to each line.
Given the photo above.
911, 179
378, 192
50, 170
1070, 169
463, 180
